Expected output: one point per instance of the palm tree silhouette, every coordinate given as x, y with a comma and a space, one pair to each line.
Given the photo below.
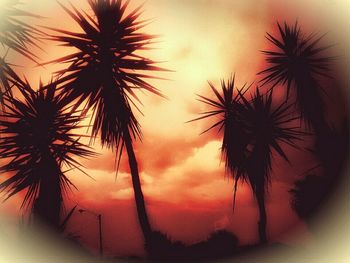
38, 142
300, 62
104, 73
253, 129
268, 126
15, 35
235, 139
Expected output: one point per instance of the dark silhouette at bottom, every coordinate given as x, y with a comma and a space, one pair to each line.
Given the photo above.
220, 244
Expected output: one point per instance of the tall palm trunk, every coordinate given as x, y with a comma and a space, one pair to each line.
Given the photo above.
47, 206
139, 199
260, 197
258, 174
116, 108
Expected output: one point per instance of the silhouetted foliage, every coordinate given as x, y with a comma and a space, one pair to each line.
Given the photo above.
253, 129
161, 247
308, 194
106, 69
332, 147
15, 35
7, 79
268, 127
227, 107
220, 244
311, 192
38, 140
298, 62
301, 63
104, 73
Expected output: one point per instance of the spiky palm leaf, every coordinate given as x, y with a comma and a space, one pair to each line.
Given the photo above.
226, 107
15, 35
252, 130
38, 139
298, 62
107, 67
7, 79
267, 126
104, 72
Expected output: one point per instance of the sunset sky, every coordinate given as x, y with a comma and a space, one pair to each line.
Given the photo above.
187, 193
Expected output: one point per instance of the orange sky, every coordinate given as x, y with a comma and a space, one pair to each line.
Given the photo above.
182, 176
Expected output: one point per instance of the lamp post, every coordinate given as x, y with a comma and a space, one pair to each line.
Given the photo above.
99, 218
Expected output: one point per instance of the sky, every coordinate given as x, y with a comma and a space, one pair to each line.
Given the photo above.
187, 193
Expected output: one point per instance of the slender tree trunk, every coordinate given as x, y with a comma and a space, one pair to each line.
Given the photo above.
139, 199
258, 166
262, 217
47, 206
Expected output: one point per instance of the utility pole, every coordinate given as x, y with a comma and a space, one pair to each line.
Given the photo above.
99, 218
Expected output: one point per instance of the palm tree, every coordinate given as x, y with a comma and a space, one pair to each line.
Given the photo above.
104, 72
235, 139
15, 35
38, 142
268, 126
252, 131
299, 62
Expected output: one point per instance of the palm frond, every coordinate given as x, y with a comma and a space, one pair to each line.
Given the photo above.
107, 67
8, 77
252, 130
36, 128
226, 106
267, 126
298, 62
16, 34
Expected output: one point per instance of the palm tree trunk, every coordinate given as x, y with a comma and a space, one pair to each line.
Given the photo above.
47, 206
139, 199
258, 166
262, 217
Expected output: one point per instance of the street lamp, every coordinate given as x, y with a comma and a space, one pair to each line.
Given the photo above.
99, 218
